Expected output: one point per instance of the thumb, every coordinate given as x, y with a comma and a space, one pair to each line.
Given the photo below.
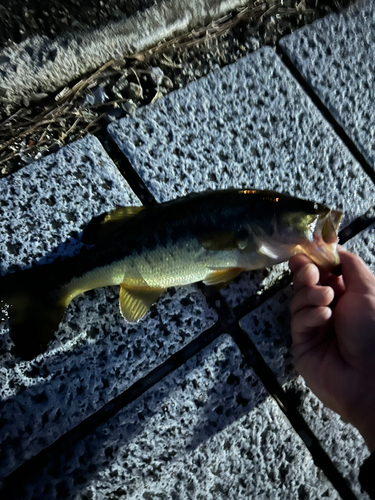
357, 276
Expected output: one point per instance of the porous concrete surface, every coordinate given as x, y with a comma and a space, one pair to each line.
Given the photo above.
364, 245
340, 440
250, 283
45, 206
246, 125
208, 430
39, 65
335, 55
269, 328
95, 355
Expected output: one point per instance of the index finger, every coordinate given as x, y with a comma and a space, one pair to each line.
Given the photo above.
298, 261
306, 276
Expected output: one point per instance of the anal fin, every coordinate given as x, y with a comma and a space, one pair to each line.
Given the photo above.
222, 276
134, 303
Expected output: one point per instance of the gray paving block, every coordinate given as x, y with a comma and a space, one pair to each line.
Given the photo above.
251, 283
364, 245
49, 202
95, 355
269, 328
208, 430
247, 125
340, 440
335, 55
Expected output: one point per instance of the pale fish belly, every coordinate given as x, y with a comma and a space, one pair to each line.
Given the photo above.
181, 264
112, 274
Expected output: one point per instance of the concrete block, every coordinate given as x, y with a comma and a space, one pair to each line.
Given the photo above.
336, 57
95, 355
269, 328
364, 245
44, 206
250, 283
246, 125
340, 440
208, 430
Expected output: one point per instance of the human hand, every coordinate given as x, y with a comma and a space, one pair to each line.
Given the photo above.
333, 332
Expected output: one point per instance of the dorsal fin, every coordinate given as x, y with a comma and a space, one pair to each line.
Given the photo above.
105, 224
122, 213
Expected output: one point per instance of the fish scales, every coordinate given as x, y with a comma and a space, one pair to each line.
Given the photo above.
209, 237
170, 248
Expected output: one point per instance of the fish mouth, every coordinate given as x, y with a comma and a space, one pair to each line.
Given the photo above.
322, 250
330, 226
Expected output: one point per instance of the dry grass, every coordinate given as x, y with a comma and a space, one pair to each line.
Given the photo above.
33, 131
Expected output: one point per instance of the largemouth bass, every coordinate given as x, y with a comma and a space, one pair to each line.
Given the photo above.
209, 237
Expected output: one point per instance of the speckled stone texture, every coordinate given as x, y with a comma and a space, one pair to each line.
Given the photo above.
247, 125
251, 283
340, 440
336, 56
364, 245
208, 430
44, 206
95, 355
269, 328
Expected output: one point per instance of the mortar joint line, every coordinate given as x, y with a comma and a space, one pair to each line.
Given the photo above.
255, 360
272, 385
229, 322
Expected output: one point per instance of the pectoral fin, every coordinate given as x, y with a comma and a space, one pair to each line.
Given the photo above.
268, 251
134, 303
222, 276
102, 226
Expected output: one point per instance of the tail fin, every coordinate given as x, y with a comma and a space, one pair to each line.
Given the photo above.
35, 308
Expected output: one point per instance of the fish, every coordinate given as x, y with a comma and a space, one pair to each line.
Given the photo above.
208, 237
